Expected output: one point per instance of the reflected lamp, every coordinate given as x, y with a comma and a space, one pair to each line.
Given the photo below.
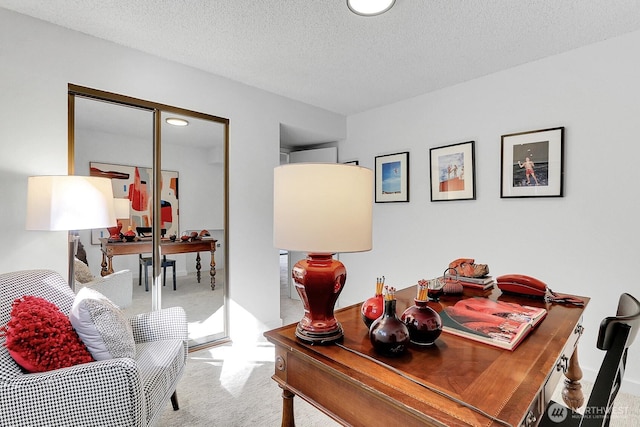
321, 209
69, 203
121, 209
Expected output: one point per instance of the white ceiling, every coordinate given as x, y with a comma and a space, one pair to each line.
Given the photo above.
318, 52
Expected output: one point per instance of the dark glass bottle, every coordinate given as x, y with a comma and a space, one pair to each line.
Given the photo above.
388, 334
423, 322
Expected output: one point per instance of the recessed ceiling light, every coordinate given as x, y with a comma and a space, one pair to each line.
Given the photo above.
176, 121
370, 7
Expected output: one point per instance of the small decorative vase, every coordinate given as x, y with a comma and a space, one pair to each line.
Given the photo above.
423, 322
373, 307
388, 335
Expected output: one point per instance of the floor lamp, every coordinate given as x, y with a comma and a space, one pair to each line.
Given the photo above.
68, 203
321, 209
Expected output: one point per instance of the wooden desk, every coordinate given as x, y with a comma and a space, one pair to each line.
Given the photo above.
354, 390
111, 249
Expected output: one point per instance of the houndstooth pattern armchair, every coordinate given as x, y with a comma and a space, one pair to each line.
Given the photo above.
116, 392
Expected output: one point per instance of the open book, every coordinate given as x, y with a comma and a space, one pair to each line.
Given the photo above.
497, 323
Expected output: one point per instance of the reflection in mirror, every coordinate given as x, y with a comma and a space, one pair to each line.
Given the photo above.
117, 140
199, 149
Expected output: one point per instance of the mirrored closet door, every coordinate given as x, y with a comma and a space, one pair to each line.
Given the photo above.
168, 168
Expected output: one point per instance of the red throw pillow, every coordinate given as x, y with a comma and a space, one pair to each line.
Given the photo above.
40, 337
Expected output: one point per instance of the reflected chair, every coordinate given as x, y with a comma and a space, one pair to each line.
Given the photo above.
615, 336
147, 261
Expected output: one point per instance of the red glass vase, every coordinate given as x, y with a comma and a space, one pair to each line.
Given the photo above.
423, 322
371, 309
388, 334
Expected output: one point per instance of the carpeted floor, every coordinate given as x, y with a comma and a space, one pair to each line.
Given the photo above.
228, 386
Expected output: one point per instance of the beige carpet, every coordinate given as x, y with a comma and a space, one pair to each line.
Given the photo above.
230, 386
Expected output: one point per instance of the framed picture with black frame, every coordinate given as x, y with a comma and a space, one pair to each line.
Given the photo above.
532, 164
392, 178
453, 172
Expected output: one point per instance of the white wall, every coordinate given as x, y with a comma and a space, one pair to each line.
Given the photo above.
40, 59
584, 243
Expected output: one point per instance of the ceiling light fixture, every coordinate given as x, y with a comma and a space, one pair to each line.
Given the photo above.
370, 7
177, 122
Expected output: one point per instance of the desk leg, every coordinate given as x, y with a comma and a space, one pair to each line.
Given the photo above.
107, 266
198, 266
572, 392
103, 264
287, 409
212, 271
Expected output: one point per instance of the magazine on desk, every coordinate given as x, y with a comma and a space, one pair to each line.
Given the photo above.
497, 323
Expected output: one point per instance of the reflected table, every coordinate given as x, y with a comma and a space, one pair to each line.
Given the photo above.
167, 247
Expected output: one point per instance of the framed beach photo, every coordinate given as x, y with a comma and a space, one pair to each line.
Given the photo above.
392, 178
532, 164
453, 172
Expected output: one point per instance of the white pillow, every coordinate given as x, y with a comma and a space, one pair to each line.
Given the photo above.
81, 271
102, 326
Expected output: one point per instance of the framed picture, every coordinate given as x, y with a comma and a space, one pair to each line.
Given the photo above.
532, 164
453, 172
352, 162
392, 178
134, 183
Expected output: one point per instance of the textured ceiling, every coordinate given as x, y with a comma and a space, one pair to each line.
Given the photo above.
320, 53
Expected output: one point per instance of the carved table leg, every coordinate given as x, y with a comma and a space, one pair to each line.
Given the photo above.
107, 266
103, 264
212, 271
287, 409
572, 392
198, 266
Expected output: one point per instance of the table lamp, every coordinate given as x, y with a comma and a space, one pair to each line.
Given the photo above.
121, 209
69, 202
321, 209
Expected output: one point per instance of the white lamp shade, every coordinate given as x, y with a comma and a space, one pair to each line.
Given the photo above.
323, 207
121, 208
69, 203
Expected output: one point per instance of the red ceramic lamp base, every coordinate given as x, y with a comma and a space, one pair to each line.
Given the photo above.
114, 232
319, 279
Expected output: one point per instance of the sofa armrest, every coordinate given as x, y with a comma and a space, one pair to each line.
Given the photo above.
118, 287
107, 392
165, 324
